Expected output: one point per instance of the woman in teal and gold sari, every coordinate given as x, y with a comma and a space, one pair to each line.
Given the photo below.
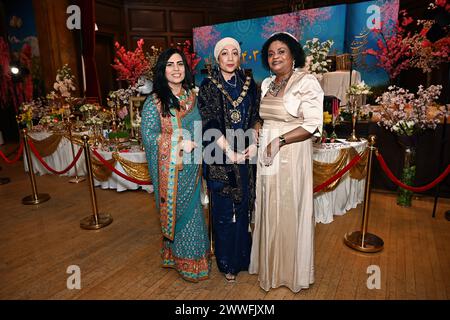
170, 121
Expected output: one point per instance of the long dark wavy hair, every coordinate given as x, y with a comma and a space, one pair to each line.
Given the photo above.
161, 85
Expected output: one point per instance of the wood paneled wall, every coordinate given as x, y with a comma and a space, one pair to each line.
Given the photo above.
57, 44
163, 23
170, 22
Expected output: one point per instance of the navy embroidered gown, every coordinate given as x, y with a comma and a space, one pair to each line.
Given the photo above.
232, 237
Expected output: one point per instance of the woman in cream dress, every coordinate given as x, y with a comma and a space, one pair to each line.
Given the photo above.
291, 107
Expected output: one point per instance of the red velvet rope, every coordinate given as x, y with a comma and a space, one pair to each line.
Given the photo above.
16, 158
36, 153
110, 167
339, 174
405, 186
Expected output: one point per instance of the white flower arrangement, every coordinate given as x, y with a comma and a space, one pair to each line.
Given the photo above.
137, 122
64, 84
88, 107
404, 113
94, 121
359, 88
45, 120
120, 97
48, 120
317, 52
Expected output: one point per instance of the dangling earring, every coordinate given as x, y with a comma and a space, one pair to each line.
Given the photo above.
293, 64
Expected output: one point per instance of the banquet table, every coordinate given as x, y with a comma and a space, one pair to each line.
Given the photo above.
336, 83
58, 160
62, 157
348, 193
117, 182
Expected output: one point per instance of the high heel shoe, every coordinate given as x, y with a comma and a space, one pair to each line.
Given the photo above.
230, 277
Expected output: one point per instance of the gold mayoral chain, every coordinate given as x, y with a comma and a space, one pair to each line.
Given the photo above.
235, 114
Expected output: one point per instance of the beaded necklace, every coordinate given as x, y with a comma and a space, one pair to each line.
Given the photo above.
275, 88
185, 103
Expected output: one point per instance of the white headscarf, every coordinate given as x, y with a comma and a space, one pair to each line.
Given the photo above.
223, 43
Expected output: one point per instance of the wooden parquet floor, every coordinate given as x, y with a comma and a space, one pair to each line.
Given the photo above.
121, 261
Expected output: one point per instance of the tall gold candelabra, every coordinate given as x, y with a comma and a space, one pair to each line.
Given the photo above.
355, 101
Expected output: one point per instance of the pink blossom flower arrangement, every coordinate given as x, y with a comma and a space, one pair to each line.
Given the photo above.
400, 49
407, 114
394, 48
131, 65
192, 57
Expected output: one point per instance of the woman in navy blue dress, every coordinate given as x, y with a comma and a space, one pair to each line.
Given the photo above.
229, 106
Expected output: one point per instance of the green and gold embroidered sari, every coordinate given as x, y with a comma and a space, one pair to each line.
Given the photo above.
177, 184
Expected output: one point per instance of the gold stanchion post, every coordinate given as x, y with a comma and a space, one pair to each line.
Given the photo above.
362, 240
76, 179
96, 221
36, 197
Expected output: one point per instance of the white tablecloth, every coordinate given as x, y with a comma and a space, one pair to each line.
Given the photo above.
62, 157
349, 192
117, 182
58, 160
336, 83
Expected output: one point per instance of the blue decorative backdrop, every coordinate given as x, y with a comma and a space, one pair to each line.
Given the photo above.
341, 23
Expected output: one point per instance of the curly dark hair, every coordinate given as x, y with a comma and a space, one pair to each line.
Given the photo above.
160, 84
294, 47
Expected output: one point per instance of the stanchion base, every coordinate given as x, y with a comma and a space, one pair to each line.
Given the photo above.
211, 249
77, 180
4, 180
88, 223
353, 138
41, 197
371, 243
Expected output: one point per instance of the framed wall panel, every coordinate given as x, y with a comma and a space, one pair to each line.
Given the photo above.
184, 21
107, 15
147, 20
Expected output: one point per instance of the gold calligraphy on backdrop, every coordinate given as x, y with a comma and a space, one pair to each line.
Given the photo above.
358, 48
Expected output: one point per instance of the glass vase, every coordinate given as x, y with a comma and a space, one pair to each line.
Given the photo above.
408, 175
